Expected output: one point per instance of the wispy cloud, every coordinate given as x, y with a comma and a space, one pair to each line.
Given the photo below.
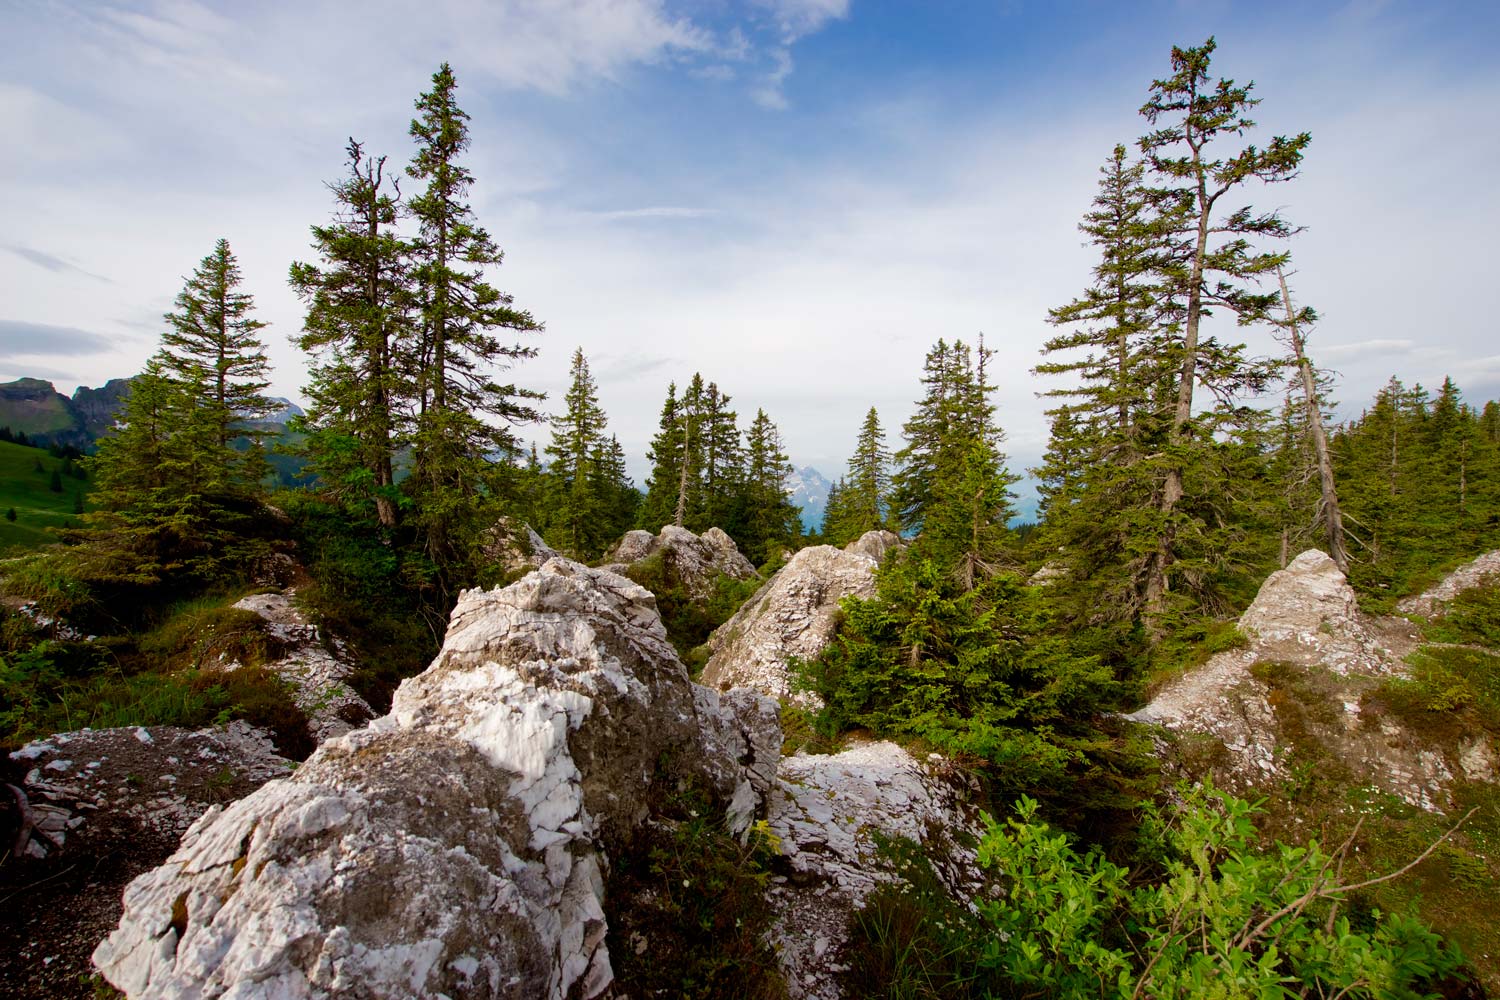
20, 337
770, 94
55, 264
799, 18
1363, 349
654, 212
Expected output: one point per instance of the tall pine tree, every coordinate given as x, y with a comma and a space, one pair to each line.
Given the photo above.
360, 315
456, 479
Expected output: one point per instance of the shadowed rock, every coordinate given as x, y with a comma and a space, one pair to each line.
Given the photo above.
457, 845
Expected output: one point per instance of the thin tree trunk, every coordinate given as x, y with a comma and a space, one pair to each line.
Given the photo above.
1333, 522
682, 482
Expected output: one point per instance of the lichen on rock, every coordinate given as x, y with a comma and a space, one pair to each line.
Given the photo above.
457, 845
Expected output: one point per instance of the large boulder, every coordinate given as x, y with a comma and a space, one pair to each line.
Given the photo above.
696, 561
456, 846
316, 671
830, 815
793, 616
1311, 669
1468, 576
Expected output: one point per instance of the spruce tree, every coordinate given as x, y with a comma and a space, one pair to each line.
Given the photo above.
660, 504
455, 479
768, 521
578, 520
1213, 260
360, 314
952, 484
212, 350
720, 462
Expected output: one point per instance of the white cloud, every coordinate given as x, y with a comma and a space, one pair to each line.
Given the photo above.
769, 93
800, 18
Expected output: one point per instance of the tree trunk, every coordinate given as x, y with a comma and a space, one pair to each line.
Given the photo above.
1333, 522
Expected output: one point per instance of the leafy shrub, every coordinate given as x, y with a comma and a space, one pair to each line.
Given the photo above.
1472, 617
1226, 920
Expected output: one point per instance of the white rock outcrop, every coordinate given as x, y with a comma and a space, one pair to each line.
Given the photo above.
315, 672
1472, 574
1305, 623
793, 615
454, 847
695, 560
827, 811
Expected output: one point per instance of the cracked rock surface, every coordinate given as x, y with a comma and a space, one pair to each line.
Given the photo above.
827, 810
315, 672
456, 846
1305, 627
793, 615
1471, 574
106, 805
696, 560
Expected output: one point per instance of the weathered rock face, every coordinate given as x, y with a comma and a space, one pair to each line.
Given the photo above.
793, 615
456, 846
515, 547
315, 673
826, 810
1312, 652
1466, 577
697, 560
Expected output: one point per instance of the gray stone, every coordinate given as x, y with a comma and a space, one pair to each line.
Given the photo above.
793, 615
457, 845
1473, 574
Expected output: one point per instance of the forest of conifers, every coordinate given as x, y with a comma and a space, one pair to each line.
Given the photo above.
1180, 471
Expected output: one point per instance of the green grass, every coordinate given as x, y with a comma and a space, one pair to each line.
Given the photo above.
28, 492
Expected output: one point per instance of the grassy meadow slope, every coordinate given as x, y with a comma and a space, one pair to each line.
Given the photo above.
29, 493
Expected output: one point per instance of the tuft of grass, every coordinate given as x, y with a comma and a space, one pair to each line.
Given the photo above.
689, 915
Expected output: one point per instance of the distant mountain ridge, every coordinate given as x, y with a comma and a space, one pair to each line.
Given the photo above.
808, 489
34, 407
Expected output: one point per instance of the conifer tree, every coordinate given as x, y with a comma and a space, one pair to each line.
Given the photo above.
720, 462
619, 500
1212, 258
212, 350
952, 484
769, 520
660, 504
359, 315
690, 457
454, 478
577, 442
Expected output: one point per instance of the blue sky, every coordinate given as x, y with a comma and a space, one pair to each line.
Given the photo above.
795, 197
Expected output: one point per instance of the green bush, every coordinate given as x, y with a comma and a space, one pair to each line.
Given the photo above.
689, 620
1227, 919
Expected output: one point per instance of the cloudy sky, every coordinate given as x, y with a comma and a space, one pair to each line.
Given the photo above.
794, 197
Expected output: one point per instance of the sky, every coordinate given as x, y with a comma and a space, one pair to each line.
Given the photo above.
795, 198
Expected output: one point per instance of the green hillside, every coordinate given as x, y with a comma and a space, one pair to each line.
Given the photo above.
29, 493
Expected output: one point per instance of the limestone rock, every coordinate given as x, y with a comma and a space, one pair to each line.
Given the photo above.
696, 560
514, 547
1312, 646
826, 811
793, 615
455, 846
1472, 574
316, 673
